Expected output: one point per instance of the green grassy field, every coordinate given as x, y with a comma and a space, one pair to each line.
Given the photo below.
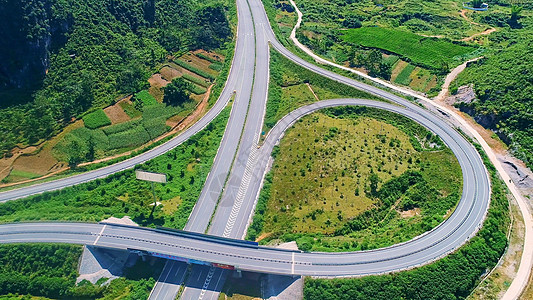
320, 191
452, 277
429, 52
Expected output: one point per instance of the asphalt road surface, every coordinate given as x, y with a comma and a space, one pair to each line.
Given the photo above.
215, 181
455, 231
243, 165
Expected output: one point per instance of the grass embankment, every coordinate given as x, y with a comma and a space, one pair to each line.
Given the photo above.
452, 277
50, 270
354, 179
289, 89
425, 51
121, 194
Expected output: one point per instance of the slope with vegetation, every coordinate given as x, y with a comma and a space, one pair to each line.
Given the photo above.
503, 83
501, 80
85, 54
292, 86
50, 270
384, 38
318, 191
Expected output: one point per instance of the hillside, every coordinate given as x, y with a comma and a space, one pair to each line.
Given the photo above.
503, 83
61, 58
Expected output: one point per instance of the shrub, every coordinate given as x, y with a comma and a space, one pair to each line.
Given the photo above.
177, 92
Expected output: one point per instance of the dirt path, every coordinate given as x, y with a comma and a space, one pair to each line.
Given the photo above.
199, 111
313, 92
463, 14
486, 32
451, 77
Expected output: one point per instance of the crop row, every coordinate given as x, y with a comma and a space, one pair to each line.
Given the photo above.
194, 69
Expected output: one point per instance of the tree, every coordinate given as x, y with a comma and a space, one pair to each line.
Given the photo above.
351, 22
75, 154
515, 15
177, 92
374, 180
477, 3
131, 79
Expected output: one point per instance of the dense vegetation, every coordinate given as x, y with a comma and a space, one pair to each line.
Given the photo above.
503, 82
51, 270
344, 181
121, 194
452, 277
91, 51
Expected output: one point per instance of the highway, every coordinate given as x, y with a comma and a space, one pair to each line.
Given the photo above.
236, 178
233, 185
169, 284
456, 230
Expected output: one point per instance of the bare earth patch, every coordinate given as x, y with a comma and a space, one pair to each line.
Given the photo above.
201, 64
263, 236
42, 161
410, 213
7, 162
158, 81
116, 114
169, 73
